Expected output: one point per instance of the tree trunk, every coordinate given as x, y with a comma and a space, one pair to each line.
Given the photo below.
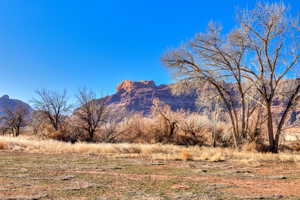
91, 135
55, 126
243, 120
276, 144
214, 139
292, 102
17, 131
272, 144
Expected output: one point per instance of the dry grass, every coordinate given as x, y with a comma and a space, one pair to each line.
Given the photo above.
185, 155
151, 151
3, 145
35, 145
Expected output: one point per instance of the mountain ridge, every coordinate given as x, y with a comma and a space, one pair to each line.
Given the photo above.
137, 96
6, 103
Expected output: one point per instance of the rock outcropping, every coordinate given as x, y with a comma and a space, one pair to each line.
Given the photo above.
138, 97
7, 103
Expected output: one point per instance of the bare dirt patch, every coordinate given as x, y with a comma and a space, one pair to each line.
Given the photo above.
76, 176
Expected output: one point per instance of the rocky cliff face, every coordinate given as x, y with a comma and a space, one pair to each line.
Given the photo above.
138, 96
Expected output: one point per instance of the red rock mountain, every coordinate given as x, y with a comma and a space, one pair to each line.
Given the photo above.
138, 96
6, 103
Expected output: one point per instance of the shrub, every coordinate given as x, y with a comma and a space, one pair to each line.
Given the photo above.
135, 129
185, 155
3, 145
162, 125
295, 146
168, 127
194, 129
255, 146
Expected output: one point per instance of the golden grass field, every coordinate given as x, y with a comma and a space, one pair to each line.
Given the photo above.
152, 151
31, 168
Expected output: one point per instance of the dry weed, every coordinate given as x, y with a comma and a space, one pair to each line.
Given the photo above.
3, 145
153, 151
185, 155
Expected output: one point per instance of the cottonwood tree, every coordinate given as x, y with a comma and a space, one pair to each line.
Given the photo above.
213, 59
91, 112
259, 54
14, 119
53, 106
273, 43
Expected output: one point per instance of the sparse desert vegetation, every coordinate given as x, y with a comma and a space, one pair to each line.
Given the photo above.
134, 150
48, 169
239, 140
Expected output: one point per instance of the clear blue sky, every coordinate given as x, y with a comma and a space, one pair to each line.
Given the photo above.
69, 44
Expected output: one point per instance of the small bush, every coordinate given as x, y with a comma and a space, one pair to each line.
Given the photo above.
136, 129
295, 146
3, 145
185, 155
217, 157
256, 146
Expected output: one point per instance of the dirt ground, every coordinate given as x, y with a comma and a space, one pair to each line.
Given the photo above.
75, 176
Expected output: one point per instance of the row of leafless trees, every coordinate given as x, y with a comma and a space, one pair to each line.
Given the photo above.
163, 125
247, 68
94, 121
52, 111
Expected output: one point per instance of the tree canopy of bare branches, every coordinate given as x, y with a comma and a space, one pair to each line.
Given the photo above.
256, 58
53, 105
91, 112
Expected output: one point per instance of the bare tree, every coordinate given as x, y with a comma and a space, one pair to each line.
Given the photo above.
53, 105
211, 59
167, 121
273, 41
91, 112
38, 120
260, 54
110, 130
14, 119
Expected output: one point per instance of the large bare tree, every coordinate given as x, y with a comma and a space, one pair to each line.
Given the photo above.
91, 112
272, 38
53, 105
213, 59
249, 64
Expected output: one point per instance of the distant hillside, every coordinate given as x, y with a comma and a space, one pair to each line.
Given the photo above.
12, 104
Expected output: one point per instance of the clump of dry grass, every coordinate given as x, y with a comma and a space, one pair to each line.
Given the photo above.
185, 155
295, 146
214, 154
3, 145
254, 147
151, 151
